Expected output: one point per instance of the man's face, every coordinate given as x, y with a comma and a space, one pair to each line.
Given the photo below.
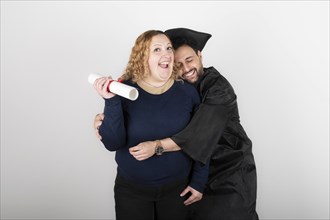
189, 63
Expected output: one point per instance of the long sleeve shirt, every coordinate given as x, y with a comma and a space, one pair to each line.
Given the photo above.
151, 117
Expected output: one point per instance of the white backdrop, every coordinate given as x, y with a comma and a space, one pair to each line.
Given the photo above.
274, 53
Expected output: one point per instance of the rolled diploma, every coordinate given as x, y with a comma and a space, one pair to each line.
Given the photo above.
118, 88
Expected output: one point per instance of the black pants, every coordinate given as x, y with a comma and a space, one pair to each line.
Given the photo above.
134, 202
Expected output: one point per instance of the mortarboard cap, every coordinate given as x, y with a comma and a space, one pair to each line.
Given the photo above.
194, 39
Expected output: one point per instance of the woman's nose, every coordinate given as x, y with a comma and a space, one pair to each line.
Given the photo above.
167, 53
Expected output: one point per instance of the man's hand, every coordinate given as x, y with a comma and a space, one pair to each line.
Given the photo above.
143, 150
195, 195
97, 123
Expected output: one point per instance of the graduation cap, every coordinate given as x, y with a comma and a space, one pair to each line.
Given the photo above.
182, 36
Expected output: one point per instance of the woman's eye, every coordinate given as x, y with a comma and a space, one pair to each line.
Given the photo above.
170, 48
156, 49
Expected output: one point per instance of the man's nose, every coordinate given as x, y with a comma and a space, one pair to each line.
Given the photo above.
185, 68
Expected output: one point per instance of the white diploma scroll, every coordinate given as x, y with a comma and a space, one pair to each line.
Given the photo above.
117, 88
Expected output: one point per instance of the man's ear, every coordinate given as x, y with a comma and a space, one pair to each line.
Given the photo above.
199, 54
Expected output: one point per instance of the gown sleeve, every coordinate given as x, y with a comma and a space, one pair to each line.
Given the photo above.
200, 137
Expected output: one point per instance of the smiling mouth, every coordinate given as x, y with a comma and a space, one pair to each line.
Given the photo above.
164, 65
189, 74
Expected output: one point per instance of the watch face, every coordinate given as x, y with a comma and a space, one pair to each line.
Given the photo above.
159, 150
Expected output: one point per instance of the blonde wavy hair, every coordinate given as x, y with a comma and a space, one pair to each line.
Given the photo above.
138, 66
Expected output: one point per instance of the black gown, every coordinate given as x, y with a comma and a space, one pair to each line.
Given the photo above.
216, 135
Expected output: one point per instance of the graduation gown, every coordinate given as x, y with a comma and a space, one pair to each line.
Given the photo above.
215, 135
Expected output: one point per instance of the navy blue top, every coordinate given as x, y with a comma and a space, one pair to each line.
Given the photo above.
152, 117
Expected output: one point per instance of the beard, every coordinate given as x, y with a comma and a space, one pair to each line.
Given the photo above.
197, 73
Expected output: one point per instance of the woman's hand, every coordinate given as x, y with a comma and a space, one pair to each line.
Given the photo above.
194, 197
101, 85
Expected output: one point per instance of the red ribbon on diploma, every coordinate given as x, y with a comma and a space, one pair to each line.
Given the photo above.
111, 80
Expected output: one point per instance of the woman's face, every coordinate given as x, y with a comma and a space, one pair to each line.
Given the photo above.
161, 58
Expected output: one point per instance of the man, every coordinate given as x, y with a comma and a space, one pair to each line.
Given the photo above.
214, 135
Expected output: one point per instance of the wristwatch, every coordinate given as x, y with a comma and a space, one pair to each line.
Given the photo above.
159, 149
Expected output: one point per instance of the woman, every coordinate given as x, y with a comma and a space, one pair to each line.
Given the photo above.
150, 189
